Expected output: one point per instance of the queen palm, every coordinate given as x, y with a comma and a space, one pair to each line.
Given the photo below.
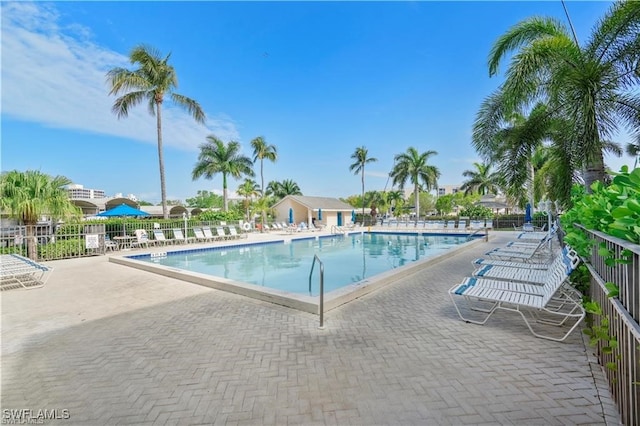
394, 197
29, 195
263, 151
593, 86
150, 82
248, 189
282, 189
412, 166
481, 180
361, 158
217, 157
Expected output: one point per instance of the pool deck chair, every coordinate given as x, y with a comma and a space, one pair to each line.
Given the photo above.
179, 237
233, 233
554, 303
160, 238
479, 262
564, 263
20, 272
200, 237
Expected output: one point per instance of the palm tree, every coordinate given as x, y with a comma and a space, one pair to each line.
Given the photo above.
394, 197
282, 189
262, 151
361, 157
154, 79
481, 180
248, 189
412, 166
217, 157
29, 195
593, 86
633, 149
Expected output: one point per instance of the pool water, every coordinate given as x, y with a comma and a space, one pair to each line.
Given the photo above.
285, 265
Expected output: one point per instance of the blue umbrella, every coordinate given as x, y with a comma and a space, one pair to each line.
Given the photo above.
123, 210
319, 214
353, 216
527, 213
290, 215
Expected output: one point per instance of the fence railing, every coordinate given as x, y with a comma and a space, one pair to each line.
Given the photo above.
622, 313
72, 240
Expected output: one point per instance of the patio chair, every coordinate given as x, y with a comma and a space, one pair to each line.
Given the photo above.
159, 237
233, 233
179, 237
142, 239
566, 262
18, 271
208, 233
523, 252
555, 302
514, 264
109, 244
200, 237
222, 235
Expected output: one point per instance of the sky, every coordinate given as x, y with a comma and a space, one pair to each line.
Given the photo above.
315, 79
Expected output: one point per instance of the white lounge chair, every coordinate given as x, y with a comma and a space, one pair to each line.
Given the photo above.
178, 236
221, 234
160, 238
200, 237
566, 262
233, 233
109, 244
142, 239
554, 302
18, 271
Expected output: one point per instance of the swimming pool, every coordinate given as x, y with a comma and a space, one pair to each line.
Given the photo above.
279, 271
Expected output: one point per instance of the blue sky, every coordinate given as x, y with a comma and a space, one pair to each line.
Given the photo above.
316, 79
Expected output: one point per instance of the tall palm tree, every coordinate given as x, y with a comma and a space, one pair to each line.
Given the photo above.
150, 82
248, 189
283, 188
361, 157
481, 180
594, 86
217, 157
412, 166
263, 151
27, 196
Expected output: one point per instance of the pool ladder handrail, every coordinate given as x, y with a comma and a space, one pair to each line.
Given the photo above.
321, 292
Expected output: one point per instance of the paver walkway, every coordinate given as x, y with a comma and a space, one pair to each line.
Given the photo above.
116, 345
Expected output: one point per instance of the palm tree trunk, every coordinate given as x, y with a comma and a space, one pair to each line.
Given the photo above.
362, 194
417, 202
32, 243
163, 186
264, 214
594, 171
224, 191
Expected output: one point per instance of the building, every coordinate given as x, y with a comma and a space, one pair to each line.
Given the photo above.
448, 189
323, 210
79, 192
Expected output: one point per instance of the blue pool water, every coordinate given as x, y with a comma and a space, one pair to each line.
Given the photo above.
286, 265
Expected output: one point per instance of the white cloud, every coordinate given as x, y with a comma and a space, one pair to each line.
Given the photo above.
56, 76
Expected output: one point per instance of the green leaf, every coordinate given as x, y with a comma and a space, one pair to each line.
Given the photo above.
621, 212
613, 289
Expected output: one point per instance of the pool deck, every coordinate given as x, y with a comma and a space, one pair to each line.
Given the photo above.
117, 345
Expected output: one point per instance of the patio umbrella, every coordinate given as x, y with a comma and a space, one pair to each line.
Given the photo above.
123, 210
290, 215
319, 214
527, 213
353, 216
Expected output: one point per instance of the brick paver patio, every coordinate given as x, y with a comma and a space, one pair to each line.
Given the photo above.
115, 345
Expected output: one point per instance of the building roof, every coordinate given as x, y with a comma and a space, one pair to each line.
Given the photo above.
314, 203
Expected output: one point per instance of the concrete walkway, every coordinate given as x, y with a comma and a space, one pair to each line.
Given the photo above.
116, 345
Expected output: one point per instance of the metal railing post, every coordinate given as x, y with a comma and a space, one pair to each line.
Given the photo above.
321, 292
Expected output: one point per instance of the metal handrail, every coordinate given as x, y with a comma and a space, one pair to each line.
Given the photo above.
321, 307
486, 235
